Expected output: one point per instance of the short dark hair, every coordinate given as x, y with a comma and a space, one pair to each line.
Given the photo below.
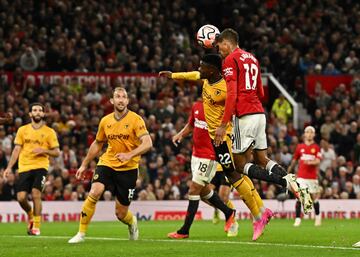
213, 60
37, 104
228, 34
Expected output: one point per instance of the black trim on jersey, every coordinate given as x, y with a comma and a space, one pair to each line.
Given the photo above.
123, 116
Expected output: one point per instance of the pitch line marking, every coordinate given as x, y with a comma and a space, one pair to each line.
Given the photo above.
196, 241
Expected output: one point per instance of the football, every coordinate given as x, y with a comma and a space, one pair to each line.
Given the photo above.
206, 35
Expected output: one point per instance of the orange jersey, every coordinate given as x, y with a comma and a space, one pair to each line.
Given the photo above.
214, 96
30, 138
122, 136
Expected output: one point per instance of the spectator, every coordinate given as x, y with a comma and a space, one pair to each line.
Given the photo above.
328, 159
350, 190
282, 109
93, 97
356, 184
29, 61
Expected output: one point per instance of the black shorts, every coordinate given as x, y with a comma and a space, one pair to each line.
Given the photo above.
220, 180
31, 179
224, 155
119, 183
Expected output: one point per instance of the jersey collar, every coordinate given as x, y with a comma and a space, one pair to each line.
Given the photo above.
122, 116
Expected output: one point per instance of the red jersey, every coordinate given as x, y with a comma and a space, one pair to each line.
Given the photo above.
202, 147
304, 153
243, 68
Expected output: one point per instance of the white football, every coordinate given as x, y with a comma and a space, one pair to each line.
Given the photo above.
206, 35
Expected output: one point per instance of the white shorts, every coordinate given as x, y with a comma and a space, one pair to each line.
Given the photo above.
249, 130
312, 184
203, 170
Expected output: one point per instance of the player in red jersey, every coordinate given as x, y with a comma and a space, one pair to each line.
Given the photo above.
203, 167
241, 71
308, 155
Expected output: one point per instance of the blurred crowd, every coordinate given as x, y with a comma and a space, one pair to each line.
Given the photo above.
290, 38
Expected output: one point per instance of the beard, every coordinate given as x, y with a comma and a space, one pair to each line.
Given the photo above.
37, 119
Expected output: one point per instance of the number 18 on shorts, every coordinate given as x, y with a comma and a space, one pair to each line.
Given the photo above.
203, 170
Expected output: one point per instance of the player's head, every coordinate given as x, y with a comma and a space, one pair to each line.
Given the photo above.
309, 133
120, 99
210, 65
37, 112
227, 41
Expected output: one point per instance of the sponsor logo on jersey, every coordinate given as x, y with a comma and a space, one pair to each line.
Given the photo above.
119, 137
31, 141
307, 157
228, 72
200, 124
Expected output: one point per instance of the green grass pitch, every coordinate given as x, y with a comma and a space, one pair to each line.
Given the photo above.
334, 238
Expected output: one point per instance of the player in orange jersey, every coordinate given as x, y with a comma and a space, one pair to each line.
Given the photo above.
34, 144
127, 137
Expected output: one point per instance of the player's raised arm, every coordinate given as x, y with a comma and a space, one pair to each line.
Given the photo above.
192, 75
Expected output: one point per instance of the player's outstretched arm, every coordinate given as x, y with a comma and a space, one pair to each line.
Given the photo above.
192, 75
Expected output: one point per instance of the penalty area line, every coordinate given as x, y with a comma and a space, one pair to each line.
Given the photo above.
189, 241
